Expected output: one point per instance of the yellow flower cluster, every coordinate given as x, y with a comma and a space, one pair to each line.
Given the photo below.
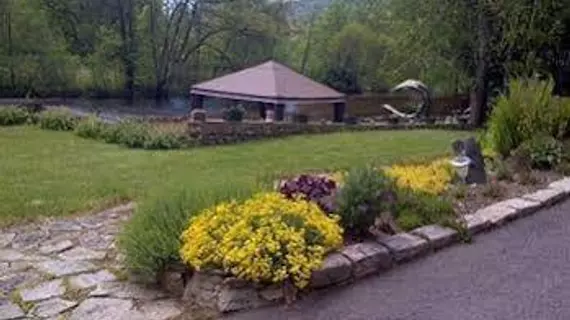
264, 239
432, 178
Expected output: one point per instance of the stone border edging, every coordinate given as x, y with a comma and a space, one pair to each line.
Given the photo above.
408, 246
372, 257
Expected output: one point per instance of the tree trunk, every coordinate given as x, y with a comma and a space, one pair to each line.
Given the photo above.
10, 52
480, 97
126, 20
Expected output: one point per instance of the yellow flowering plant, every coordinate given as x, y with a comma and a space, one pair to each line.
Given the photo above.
432, 178
267, 238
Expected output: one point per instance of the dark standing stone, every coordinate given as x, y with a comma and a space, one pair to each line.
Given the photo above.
476, 172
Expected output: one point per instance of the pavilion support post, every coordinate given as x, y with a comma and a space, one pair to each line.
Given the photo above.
196, 101
279, 112
339, 110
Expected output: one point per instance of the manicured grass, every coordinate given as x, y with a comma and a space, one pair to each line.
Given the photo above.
45, 173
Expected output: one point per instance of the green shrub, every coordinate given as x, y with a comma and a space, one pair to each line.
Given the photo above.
91, 128
528, 109
131, 133
234, 113
163, 141
359, 201
543, 151
57, 119
416, 209
12, 116
151, 239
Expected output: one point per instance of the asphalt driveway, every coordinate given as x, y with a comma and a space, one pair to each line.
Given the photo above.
518, 272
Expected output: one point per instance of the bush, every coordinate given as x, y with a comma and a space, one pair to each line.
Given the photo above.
319, 190
163, 141
234, 113
265, 239
529, 109
543, 151
433, 178
416, 209
130, 133
12, 116
360, 200
57, 119
91, 128
151, 239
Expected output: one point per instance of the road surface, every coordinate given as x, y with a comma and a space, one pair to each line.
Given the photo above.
518, 272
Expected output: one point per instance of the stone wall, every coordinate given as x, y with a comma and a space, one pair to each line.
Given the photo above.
219, 133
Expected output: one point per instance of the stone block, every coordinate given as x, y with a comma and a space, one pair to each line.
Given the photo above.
231, 300
43, 291
475, 224
10, 311
405, 247
546, 197
562, 185
524, 207
367, 258
497, 214
336, 269
437, 236
203, 288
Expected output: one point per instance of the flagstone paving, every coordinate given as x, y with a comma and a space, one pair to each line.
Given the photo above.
67, 269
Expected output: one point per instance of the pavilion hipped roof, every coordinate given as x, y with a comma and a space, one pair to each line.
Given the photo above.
270, 82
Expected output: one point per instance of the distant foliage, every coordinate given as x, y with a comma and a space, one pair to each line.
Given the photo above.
234, 113
527, 111
11, 116
319, 190
163, 141
57, 119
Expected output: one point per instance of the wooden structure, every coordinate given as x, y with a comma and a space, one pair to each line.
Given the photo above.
273, 86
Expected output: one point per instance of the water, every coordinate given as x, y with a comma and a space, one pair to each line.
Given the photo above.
115, 109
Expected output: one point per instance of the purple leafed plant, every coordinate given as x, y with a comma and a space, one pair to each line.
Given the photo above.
319, 190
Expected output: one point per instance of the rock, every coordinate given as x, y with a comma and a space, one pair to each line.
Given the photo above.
336, 269
6, 239
174, 281
96, 241
203, 288
158, 310
43, 291
64, 226
562, 185
475, 224
10, 311
546, 197
81, 254
497, 214
56, 247
52, 307
126, 291
272, 293
29, 239
87, 280
10, 255
437, 236
404, 246
103, 309
65, 268
4, 267
230, 300
12, 281
524, 207
367, 258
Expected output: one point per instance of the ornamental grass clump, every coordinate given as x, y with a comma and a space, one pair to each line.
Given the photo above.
267, 239
432, 178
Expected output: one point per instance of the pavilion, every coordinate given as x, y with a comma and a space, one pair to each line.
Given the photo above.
272, 86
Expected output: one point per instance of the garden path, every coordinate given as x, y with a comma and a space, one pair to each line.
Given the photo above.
70, 269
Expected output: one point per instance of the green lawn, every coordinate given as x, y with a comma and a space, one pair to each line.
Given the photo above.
45, 173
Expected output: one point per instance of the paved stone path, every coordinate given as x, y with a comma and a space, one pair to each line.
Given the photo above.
70, 269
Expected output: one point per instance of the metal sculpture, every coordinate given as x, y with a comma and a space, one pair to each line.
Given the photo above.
417, 87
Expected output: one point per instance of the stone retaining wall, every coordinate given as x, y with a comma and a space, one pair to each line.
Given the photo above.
227, 294
218, 133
